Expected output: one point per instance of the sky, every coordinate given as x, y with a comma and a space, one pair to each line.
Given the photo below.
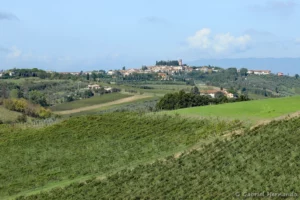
74, 35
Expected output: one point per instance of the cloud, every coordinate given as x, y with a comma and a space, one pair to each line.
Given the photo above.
7, 16
14, 52
283, 8
154, 20
219, 43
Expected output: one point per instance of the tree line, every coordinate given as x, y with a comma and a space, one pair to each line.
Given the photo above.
172, 101
167, 63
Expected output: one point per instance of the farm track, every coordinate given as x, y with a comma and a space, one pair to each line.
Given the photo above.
124, 100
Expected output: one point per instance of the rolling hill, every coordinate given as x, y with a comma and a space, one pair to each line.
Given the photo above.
254, 111
261, 163
33, 160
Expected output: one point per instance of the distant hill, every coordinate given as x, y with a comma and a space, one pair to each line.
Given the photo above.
286, 65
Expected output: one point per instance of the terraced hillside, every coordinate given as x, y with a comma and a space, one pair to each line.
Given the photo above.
34, 160
262, 163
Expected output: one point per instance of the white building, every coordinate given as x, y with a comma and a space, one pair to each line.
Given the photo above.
110, 72
259, 72
94, 87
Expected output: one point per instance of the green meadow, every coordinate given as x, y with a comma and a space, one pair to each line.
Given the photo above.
253, 111
7, 115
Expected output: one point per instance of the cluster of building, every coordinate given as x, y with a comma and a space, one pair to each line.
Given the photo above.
263, 72
2, 72
163, 71
212, 93
96, 87
259, 72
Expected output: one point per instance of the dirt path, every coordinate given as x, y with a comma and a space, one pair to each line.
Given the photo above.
125, 100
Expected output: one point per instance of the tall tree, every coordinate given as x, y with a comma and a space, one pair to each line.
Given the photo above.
88, 76
243, 71
195, 90
94, 76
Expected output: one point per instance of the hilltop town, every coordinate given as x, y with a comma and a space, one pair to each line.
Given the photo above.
163, 69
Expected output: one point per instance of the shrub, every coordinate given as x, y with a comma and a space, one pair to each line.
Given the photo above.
22, 118
23, 106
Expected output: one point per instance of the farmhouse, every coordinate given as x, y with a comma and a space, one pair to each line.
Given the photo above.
280, 74
108, 89
228, 94
94, 87
111, 72
212, 93
259, 72
163, 76
205, 69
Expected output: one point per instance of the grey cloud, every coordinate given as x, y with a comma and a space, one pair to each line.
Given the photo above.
7, 16
283, 8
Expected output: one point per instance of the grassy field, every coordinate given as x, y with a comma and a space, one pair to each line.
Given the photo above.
89, 102
82, 147
251, 110
7, 115
260, 162
123, 106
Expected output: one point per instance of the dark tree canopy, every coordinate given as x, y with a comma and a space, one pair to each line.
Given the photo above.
167, 63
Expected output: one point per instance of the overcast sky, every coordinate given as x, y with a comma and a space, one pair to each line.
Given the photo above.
102, 34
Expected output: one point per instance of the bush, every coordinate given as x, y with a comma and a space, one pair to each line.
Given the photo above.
22, 118
23, 106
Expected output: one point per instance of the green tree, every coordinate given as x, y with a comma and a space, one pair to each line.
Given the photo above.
94, 76
15, 93
124, 68
88, 76
144, 68
243, 71
219, 94
37, 97
195, 90
297, 76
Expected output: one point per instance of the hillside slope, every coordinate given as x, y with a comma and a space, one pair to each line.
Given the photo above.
259, 163
8, 115
83, 147
254, 111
